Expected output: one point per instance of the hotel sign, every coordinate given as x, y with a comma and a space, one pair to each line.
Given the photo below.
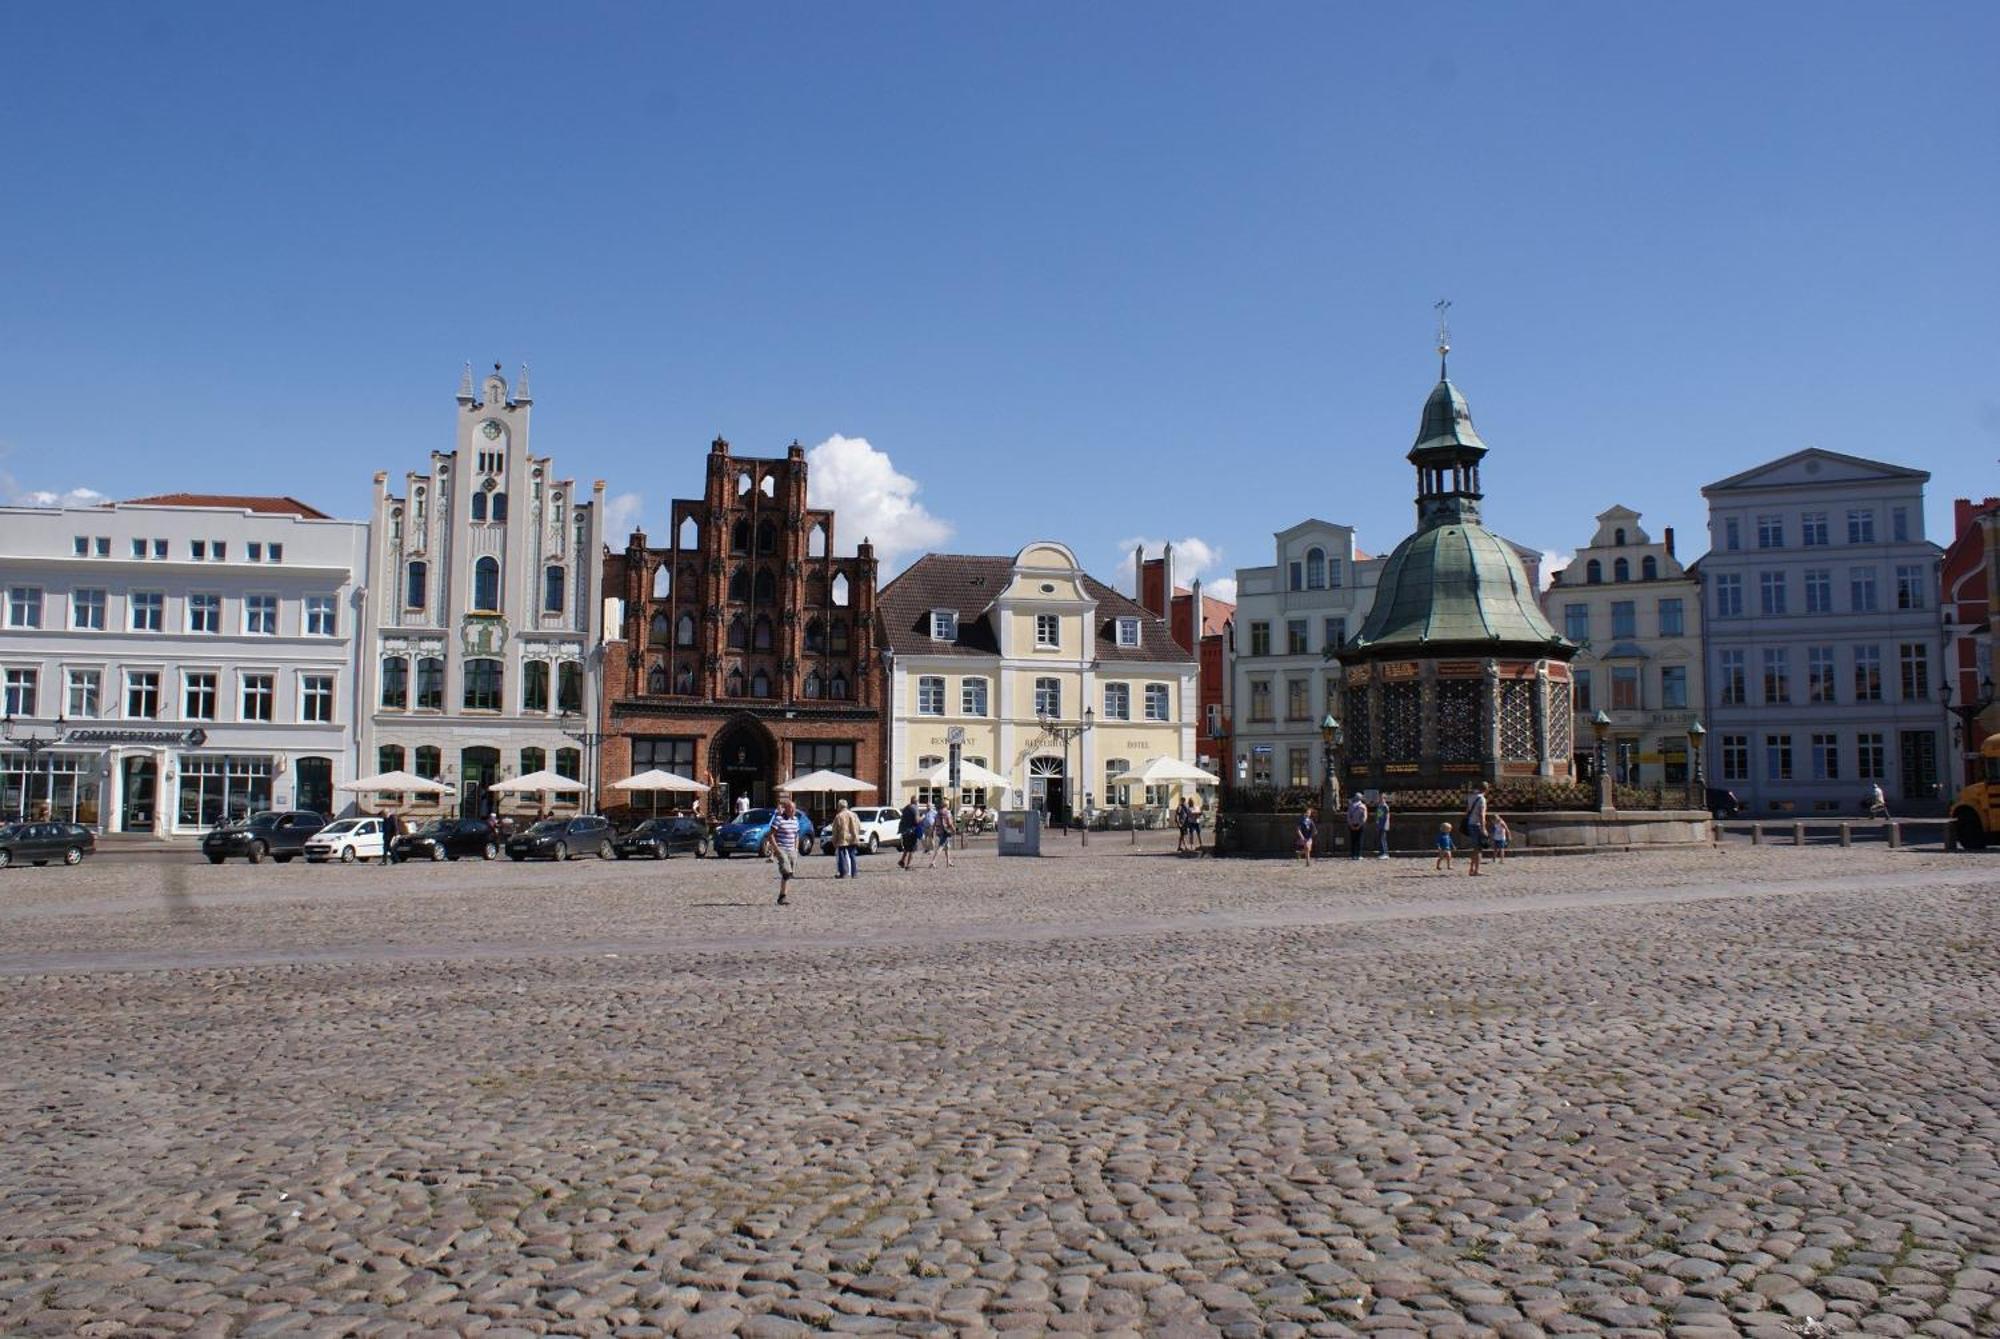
192, 739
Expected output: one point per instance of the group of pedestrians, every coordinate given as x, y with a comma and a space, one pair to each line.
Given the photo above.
1481, 831
925, 827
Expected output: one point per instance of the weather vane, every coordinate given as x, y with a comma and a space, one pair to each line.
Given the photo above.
1443, 308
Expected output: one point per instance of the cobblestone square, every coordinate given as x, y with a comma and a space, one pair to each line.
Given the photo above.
1730, 1091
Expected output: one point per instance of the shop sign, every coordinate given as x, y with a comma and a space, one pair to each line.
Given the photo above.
111, 734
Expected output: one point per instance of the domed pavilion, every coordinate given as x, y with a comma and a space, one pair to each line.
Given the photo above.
1456, 677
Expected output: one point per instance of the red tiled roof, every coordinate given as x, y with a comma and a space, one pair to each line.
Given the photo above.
267, 506
1214, 613
968, 583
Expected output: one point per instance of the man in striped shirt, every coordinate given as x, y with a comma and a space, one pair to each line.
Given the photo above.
783, 844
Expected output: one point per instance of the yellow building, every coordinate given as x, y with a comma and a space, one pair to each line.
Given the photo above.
1007, 660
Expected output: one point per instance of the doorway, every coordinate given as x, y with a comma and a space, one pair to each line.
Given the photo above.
314, 786
1047, 789
743, 765
141, 793
478, 768
1920, 776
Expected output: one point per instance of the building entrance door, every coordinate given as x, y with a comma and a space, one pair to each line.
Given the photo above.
743, 764
1919, 749
1046, 789
142, 793
478, 768
314, 787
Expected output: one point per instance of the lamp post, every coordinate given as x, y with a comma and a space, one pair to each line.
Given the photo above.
590, 739
1697, 788
1600, 727
34, 746
1054, 729
1329, 734
1966, 712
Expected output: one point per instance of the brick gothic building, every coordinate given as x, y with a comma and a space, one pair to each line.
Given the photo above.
745, 653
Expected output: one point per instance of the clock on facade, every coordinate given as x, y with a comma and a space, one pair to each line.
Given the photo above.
490, 428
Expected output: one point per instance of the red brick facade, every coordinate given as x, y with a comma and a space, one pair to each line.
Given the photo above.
1155, 576
747, 652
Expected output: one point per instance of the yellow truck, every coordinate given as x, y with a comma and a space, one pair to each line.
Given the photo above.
1975, 814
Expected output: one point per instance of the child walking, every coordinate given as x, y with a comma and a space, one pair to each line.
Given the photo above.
1444, 845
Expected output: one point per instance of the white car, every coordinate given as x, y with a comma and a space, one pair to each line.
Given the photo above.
879, 827
348, 840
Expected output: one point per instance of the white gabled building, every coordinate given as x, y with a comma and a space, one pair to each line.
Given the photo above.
194, 655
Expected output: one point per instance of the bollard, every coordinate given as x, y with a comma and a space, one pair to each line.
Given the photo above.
1950, 836
1895, 835
1846, 835
1798, 834
1756, 834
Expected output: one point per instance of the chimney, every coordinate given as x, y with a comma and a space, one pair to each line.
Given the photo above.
1139, 574
1166, 578
1670, 541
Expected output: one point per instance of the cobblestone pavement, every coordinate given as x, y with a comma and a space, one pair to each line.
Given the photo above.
1720, 1092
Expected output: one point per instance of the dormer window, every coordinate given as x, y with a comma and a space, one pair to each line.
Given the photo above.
944, 625
1128, 632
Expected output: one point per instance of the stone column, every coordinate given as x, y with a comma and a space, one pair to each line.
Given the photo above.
1490, 683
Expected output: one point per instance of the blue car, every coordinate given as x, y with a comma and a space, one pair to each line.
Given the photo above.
746, 834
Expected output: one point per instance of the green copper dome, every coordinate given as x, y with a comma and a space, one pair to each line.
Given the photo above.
1455, 585
1447, 422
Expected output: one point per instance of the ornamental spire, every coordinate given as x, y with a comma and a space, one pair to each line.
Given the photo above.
465, 384
1443, 308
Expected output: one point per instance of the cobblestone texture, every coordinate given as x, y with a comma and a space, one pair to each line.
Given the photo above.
1720, 1092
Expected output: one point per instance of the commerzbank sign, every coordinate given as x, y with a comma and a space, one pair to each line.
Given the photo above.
94, 734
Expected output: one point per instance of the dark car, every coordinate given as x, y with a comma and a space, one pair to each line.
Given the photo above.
447, 839
1723, 803
663, 837
746, 834
563, 838
41, 843
278, 833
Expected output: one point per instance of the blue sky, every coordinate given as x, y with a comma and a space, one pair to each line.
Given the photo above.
1088, 271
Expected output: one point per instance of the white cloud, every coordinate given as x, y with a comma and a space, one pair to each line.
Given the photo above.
1222, 588
1553, 561
13, 495
871, 500
621, 513
1192, 558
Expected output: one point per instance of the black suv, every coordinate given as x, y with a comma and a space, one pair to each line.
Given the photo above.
1723, 803
447, 839
39, 843
662, 837
278, 833
563, 838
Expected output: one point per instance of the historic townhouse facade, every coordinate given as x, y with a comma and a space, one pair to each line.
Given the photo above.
1207, 640
743, 652
192, 655
1823, 635
983, 651
483, 618
1971, 582
1635, 615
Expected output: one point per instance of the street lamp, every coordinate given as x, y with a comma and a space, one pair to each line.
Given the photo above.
34, 746
590, 739
1054, 729
1967, 712
1329, 734
1600, 727
1697, 736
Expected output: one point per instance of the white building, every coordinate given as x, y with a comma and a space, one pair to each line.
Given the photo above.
483, 625
195, 655
1634, 611
1823, 634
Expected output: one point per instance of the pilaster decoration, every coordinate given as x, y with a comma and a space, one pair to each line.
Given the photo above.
1490, 750
397, 646
1547, 768
712, 661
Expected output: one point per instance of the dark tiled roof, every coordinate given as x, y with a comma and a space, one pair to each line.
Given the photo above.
968, 583
268, 506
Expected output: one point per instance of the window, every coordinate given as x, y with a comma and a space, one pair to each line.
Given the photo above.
1812, 529
197, 550
1861, 590
260, 693
1296, 572
1624, 618
1735, 751
1582, 680
1295, 637
103, 546
1260, 639
430, 684
275, 552
534, 685
1333, 573
24, 607
429, 762
86, 610
1771, 593
478, 506
1260, 765
1576, 623
1334, 632
836, 637
684, 630
1673, 687
198, 695
260, 615
1861, 526
218, 549
316, 698
684, 679
733, 684
1867, 674
1819, 674
1298, 766
486, 585
256, 552
1731, 678
1128, 632
1649, 568
1732, 536
1117, 701
1260, 700
1915, 659
552, 590
395, 682
159, 548
1625, 688
417, 585
21, 694
1048, 631
666, 755
1593, 572
1770, 532
944, 625
1777, 675
84, 692
483, 683
1826, 757
656, 681
1298, 699
569, 686
204, 613
1899, 524
389, 758
1910, 585
1115, 794
1157, 702
836, 687
321, 618
1729, 595
930, 695
739, 633
760, 684
148, 610
80, 546
1315, 569
1048, 697
1819, 590
142, 694
1871, 756
761, 633
972, 697
1777, 757
1621, 570
1672, 623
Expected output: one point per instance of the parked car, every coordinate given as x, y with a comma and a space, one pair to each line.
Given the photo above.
563, 838
1723, 803
659, 838
278, 833
348, 840
41, 843
747, 833
447, 839
878, 826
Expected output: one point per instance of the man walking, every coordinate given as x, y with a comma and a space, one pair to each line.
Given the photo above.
1357, 819
1475, 826
1381, 825
908, 826
782, 844
846, 837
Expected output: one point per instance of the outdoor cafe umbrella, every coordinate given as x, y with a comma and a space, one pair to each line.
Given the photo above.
535, 781
1164, 771
969, 774
657, 781
392, 783
826, 781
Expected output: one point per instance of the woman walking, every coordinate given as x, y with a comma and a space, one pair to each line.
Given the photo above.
1381, 825
944, 827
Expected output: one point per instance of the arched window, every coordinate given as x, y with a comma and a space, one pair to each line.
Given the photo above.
1593, 571
1621, 570
840, 590
767, 586
816, 542
733, 685
389, 758
1649, 568
663, 581
569, 686
684, 630
486, 585
743, 482
478, 505
535, 685
739, 584
760, 684
656, 679
533, 760
760, 635
739, 537
419, 585
768, 485
552, 591
837, 641
688, 537
658, 629
813, 687
1315, 569
684, 679
1618, 536
767, 536
396, 681
815, 635
569, 764
837, 689
499, 506
430, 761
739, 633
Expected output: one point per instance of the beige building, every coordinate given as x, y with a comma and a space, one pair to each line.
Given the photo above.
1002, 660
1636, 614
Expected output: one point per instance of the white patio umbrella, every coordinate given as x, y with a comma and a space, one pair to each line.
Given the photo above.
1164, 771
969, 774
656, 781
384, 783
536, 781
826, 781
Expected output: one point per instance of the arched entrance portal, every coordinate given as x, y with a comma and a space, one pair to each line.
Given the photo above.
742, 761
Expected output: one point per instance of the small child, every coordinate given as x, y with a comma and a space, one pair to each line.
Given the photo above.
1444, 848
1496, 831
